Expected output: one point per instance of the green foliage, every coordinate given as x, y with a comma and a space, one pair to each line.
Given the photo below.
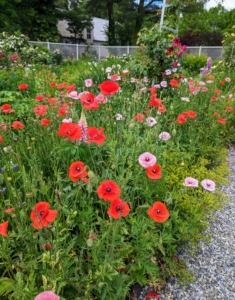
229, 47
193, 63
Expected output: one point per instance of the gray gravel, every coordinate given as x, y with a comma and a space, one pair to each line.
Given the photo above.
214, 265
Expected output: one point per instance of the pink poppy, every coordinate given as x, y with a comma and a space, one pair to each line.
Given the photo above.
47, 295
189, 181
164, 136
147, 159
101, 99
208, 185
74, 95
88, 82
151, 121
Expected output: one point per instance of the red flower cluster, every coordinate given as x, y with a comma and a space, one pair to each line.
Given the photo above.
156, 102
6, 108
139, 117
40, 110
17, 125
109, 191
182, 118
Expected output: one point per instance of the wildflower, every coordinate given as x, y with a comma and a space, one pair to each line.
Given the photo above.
186, 99
108, 70
161, 109
139, 117
77, 171
62, 111
53, 84
3, 228
227, 79
151, 121
9, 210
158, 212
164, 136
108, 190
192, 114
67, 120
70, 88
70, 130
189, 181
46, 246
163, 84
152, 295
96, 135
174, 83
1, 139
89, 102
40, 98
216, 114
114, 77
147, 159
119, 117
208, 184
88, 82
61, 85
222, 121
47, 295
73, 95
6, 108
181, 119
17, 125
83, 125
213, 98
101, 99
109, 87
118, 208
221, 82
45, 122
22, 87
42, 215
229, 109
40, 110
154, 172
154, 102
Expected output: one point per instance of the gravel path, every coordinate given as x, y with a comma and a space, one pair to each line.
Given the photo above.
214, 266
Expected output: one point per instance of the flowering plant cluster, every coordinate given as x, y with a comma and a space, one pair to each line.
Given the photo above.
104, 176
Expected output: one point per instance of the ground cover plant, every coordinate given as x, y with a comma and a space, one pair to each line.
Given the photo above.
103, 176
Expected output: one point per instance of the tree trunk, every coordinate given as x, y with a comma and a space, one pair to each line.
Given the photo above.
111, 28
138, 22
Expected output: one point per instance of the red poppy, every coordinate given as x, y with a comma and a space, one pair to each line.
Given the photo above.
53, 101
155, 102
109, 87
153, 89
221, 82
213, 98
96, 135
70, 88
53, 84
217, 91
46, 246
108, 190
62, 85
77, 171
174, 83
62, 111
158, 212
40, 110
17, 125
139, 117
216, 114
154, 172
184, 113
161, 108
115, 77
222, 121
1, 139
42, 216
192, 114
89, 102
148, 111
22, 86
9, 210
45, 122
152, 295
40, 98
181, 119
6, 108
118, 209
3, 228
71, 130
229, 109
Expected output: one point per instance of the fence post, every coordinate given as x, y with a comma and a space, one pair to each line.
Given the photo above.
48, 45
77, 51
200, 50
128, 49
99, 52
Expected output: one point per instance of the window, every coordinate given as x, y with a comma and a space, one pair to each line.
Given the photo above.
88, 33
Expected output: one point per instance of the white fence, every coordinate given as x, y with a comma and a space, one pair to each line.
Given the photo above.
76, 50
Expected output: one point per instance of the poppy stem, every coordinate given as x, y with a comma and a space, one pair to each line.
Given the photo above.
57, 193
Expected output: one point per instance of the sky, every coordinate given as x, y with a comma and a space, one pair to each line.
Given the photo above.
228, 4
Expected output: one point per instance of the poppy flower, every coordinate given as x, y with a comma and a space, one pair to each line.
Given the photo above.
71, 130
89, 102
192, 114
3, 228
155, 102
96, 136
147, 159
62, 111
154, 172
88, 82
151, 121
161, 108
40, 98
53, 84
40, 110
1, 139
181, 119
77, 171
9, 210
208, 184
22, 87
152, 295
213, 98
115, 77
45, 122
158, 212
189, 181
216, 114
118, 208
229, 109
221, 82
61, 85
70, 88
217, 91
47, 295
165, 136
17, 125
109, 87
139, 117
101, 99
222, 121
42, 215
108, 190
174, 83
46, 246
6, 108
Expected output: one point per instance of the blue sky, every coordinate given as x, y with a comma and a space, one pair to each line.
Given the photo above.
228, 4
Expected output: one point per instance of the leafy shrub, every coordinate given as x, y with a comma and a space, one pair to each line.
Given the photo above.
229, 47
192, 63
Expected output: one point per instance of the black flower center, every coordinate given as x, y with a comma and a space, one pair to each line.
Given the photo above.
41, 213
147, 158
118, 208
158, 211
154, 171
108, 189
78, 169
68, 132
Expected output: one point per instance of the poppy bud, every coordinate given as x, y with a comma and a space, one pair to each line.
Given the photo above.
173, 132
